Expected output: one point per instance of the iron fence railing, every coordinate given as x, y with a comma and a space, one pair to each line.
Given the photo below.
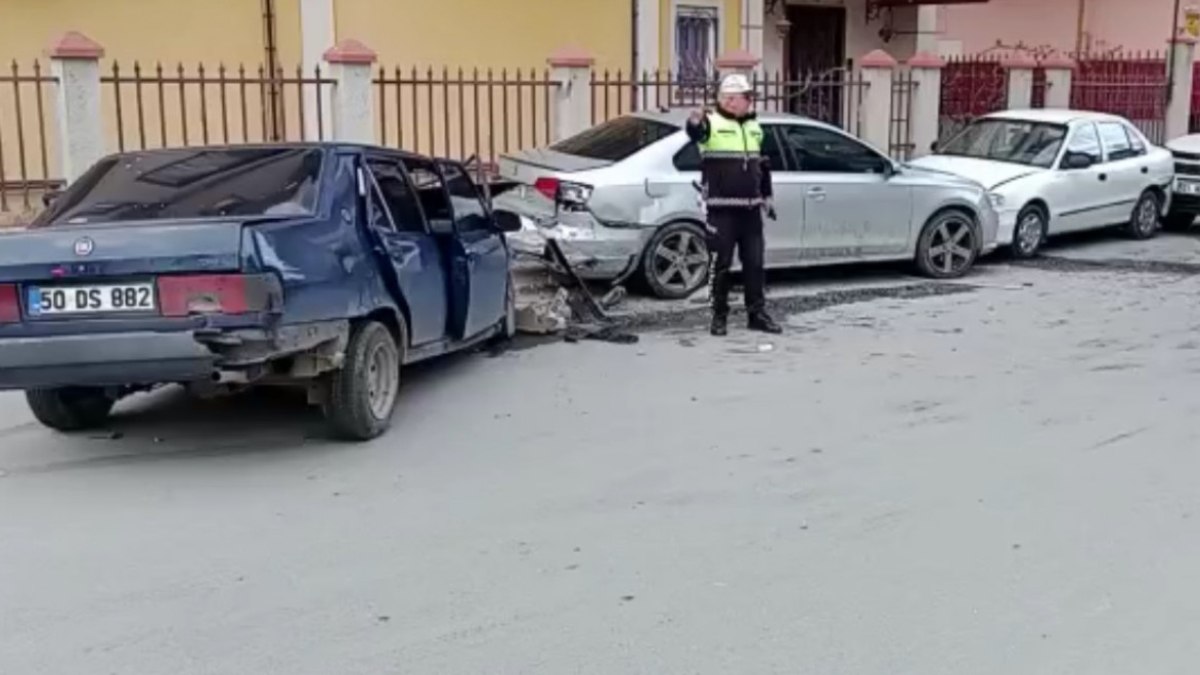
480, 113
834, 96
27, 167
900, 137
157, 107
1132, 85
972, 86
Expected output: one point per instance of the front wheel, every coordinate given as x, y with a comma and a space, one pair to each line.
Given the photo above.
1030, 233
948, 246
70, 408
1143, 223
363, 392
675, 262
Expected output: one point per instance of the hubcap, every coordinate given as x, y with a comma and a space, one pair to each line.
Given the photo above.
1147, 215
1029, 232
680, 261
382, 378
952, 246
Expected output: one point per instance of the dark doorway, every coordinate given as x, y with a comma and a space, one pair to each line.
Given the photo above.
816, 53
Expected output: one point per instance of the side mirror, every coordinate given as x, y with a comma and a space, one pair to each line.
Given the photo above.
50, 196
1076, 160
507, 221
933, 147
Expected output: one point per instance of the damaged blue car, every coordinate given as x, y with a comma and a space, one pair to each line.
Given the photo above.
320, 265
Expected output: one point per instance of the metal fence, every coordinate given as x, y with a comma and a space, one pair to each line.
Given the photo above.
461, 115
160, 107
900, 138
1131, 85
972, 86
834, 96
28, 164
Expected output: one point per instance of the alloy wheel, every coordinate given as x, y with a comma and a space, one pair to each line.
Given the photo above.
680, 261
952, 247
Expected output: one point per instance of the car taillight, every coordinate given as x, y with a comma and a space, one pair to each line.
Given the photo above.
219, 294
10, 306
563, 192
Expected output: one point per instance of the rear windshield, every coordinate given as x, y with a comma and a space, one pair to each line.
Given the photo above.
191, 183
616, 139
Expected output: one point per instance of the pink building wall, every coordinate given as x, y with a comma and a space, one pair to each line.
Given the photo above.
1129, 25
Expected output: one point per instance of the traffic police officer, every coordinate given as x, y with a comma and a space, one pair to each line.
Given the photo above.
737, 189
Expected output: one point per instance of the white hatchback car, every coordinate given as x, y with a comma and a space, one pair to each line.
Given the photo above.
1056, 171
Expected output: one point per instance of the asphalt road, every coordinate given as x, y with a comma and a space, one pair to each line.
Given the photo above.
992, 481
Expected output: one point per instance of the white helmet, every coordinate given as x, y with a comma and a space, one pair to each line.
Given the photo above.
735, 83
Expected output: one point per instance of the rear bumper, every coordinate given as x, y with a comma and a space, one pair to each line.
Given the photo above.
111, 359
595, 251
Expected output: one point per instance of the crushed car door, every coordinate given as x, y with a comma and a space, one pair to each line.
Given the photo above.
398, 226
484, 248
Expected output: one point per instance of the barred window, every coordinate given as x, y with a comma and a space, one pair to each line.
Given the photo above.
696, 43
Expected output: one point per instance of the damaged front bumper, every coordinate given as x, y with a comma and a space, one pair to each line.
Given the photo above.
597, 252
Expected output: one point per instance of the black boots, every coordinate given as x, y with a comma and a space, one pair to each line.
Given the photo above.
759, 321
763, 323
719, 326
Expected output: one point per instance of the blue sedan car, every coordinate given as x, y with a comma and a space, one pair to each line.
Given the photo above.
322, 265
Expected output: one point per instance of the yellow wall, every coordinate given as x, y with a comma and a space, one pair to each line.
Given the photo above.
170, 30
495, 33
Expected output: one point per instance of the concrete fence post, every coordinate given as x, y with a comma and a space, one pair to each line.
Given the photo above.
571, 70
1060, 72
1020, 81
350, 64
75, 62
926, 101
1179, 98
878, 71
570, 67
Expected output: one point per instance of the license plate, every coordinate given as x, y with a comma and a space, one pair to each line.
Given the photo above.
1187, 187
107, 299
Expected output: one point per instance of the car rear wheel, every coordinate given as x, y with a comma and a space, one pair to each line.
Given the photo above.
1029, 233
675, 262
1143, 224
363, 392
948, 246
70, 408
1179, 222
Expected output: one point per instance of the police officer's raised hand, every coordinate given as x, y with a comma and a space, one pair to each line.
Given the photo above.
697, 116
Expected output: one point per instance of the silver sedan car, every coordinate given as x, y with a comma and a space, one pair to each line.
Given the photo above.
624, 196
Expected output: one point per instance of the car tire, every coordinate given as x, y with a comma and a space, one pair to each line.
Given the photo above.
675, 262
1179, 222
1029, 234
949, 235
1143, 222
70, 408
363, 392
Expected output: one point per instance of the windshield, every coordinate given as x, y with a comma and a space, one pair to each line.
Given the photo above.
192, 183
615, 140
1017, 141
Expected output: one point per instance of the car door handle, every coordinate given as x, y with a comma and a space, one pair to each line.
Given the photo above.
817, 194
1145, 169
1103, 177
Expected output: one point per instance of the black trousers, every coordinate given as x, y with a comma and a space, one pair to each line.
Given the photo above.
740, 229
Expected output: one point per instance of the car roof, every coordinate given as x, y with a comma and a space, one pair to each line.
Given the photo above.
314, 145
678, 116
1055, 116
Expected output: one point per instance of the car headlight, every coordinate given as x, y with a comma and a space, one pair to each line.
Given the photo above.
996, 200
